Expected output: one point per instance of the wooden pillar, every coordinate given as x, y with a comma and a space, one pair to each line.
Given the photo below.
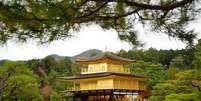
93, 98
98, 98
111, 97
74, 85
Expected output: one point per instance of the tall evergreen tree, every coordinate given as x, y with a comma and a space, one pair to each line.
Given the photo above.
197, 56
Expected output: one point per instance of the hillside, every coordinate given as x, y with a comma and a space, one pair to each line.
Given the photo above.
85, 54
2, 62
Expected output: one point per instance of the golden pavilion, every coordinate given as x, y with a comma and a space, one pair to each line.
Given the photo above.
104, 78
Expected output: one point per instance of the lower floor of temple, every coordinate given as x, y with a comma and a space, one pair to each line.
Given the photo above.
106, 95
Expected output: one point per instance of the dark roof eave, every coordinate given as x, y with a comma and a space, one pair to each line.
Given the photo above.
88, 61
95, 75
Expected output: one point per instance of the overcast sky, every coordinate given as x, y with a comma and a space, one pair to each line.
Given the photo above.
91, 37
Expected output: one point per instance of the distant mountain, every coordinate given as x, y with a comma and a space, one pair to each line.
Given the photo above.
88, 53
85, 54
2, 62
57, 57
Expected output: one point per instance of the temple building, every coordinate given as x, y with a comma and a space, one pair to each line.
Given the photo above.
104, 78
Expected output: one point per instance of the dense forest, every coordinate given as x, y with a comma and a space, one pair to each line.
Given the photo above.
173, 74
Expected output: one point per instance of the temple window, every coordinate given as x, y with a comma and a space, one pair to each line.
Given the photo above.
91, 68
103, 67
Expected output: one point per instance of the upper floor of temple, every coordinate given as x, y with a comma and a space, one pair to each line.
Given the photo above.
105, 62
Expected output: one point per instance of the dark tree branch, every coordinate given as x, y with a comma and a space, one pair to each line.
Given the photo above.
143, 18
128, 13
105, 17
96, 10
164, 15
84, 2
158, 7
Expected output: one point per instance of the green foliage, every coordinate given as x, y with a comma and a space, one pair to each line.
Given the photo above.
164, 57
49, 20
55, 97
179, 88
178, 62
22, 84
22, 88
48, 64
161, 90
182, 97
64, 66
133, 54
17, 67
155, 72
197, 56
76, 69
51, 70
171, 72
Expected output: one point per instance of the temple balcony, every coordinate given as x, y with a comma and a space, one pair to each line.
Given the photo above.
104, 67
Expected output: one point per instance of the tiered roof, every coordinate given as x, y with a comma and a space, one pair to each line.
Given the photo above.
105, 55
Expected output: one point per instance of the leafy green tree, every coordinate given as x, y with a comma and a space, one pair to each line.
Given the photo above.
133, 54
22, 88
164, 57
48, 63
51, 70
178, 62
155, 72
171, 72
64, 66
48, 20
182, 97
151, 55
179, 88
34, 64
76, 69
161, 90
56, 97
22, 84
